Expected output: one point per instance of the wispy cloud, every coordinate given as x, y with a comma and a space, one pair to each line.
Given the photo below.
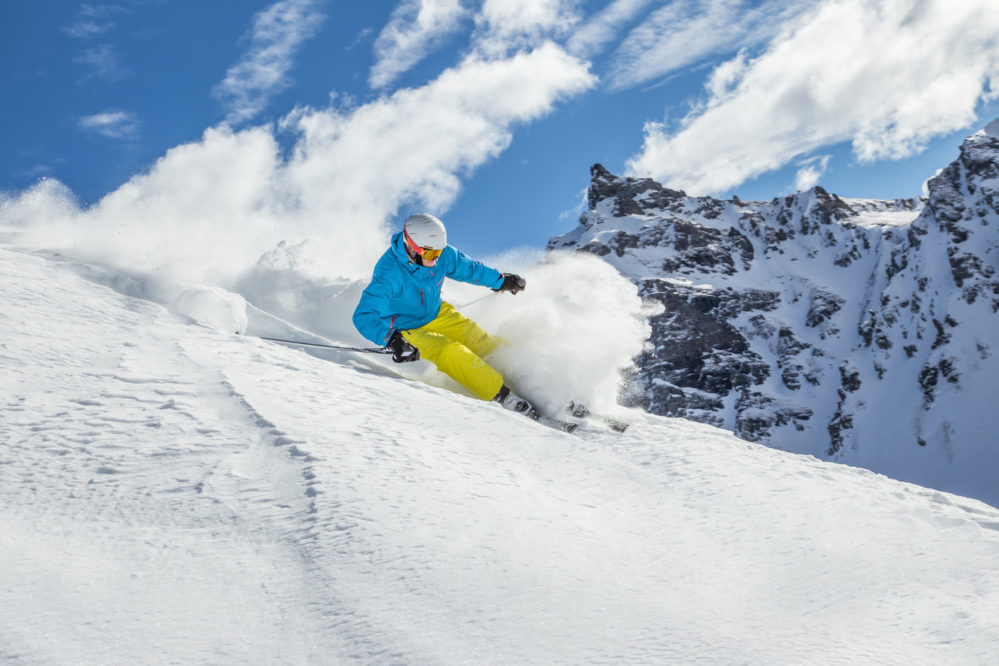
416, 29
112, 124
362, 37
687, 32
101, 10
85, 29
93, 20
103, 63
602, 28
887, 75
275, 38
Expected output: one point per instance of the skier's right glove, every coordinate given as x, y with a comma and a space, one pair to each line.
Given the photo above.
402, 351
512, 283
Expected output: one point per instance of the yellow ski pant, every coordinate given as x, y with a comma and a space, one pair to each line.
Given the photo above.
456, 345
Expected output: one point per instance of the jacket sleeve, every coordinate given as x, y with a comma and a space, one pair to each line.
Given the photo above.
468, 270
373, 316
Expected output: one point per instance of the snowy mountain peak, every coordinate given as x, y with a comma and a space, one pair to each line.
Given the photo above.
631, 195
801, 322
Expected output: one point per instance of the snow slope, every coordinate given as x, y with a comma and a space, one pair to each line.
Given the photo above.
170, 494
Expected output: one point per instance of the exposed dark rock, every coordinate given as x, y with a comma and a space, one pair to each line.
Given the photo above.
758, 415
943, 337
824, 306
849, 379
802, 304
837, 425
605, 186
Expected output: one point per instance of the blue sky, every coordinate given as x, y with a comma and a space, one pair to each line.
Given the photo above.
489, 113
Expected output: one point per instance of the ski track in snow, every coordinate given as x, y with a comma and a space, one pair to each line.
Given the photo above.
173, 495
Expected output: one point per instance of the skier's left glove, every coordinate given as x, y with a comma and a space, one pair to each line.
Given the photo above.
512, 283
402, 351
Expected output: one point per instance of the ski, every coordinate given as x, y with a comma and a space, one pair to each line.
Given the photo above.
558, 424
580, 411
562, 425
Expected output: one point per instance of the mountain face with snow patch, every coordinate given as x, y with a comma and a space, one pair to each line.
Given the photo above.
861, 331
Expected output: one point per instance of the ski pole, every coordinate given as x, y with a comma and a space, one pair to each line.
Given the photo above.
481, 298
366, 350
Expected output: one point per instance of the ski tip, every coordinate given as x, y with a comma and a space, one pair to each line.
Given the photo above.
580, 411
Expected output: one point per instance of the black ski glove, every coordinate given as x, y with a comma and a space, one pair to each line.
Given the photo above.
402, 351
512, 283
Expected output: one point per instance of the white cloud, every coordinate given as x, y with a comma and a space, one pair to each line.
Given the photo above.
89, 22
276, 36
112, 124
101, 10
363, 36
514, 24
591, 37
208, 210
85, 29
416, 28
810, 171
727, 75
686, 32
887, 75
414, 145
104, 64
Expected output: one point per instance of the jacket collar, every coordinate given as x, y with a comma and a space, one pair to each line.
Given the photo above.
399, 251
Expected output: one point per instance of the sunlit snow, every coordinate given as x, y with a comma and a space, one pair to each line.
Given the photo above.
171, 492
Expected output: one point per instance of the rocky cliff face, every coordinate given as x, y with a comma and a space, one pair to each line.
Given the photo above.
862, 331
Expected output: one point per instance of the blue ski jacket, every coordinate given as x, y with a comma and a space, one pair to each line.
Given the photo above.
404, 295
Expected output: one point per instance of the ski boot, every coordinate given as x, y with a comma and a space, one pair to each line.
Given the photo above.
510, 400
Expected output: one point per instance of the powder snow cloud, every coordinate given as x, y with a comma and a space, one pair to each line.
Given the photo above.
207, 210
415, 145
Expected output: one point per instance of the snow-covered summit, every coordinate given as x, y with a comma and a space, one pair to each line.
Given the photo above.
805, 321
174, 494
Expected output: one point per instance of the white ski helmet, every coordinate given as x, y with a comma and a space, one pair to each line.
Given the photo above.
425, 236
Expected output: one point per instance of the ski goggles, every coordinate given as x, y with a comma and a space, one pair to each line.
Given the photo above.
428, 253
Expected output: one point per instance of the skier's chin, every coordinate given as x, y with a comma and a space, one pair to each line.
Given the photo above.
429, 264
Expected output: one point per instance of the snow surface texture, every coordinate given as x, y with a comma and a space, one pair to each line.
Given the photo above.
170, 493
860, 331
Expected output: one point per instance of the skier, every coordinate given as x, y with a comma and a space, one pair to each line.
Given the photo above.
402, 310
